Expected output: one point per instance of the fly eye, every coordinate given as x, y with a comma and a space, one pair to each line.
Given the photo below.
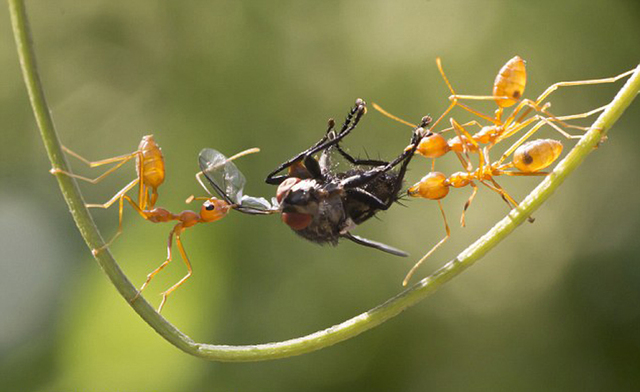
296, 220
285, 187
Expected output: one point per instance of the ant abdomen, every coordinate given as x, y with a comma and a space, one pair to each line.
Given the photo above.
510, 82
152, 162
536, 155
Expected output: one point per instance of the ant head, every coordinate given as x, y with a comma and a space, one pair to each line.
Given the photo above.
214, 209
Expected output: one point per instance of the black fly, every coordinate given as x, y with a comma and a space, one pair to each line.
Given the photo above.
322, 205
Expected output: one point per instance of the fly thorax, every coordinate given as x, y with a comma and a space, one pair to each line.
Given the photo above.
303, 197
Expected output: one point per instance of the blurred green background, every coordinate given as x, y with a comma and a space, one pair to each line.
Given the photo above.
554, 307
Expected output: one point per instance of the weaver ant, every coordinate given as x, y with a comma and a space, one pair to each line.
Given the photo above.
528, 160
508, 89
150, 175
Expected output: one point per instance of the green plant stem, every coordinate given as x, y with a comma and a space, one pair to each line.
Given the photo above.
337, 333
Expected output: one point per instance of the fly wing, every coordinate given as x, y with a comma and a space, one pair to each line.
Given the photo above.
256, 206
228, 182
223, 175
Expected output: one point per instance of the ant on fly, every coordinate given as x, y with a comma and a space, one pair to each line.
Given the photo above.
322, 205
150, 175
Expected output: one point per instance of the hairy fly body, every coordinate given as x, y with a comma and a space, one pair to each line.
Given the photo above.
324, 205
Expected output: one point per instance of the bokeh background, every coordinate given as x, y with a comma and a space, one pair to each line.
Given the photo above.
554, 307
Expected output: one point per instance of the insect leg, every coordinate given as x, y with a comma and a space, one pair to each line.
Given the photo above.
468, 203
117, 196
374, 244
187, 263
121, 161
426, 256
120, 215
357, 161
164, 264
366, 197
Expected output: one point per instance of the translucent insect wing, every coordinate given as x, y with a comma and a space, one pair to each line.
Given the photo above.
223, 174
256, 203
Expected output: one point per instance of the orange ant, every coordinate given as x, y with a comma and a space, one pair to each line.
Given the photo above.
213, 209
529, 158
150, 170
507, 91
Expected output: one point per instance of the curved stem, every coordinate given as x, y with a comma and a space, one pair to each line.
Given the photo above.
337, 333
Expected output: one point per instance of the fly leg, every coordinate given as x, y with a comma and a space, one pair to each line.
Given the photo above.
306, 156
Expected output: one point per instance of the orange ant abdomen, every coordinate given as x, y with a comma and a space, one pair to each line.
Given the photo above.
536, 155
510, 82
433, 186
152, 162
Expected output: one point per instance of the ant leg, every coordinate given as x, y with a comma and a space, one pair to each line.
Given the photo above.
454, 98
121, 161
120, 215
468, 203
494, 186
505, 196
161, 267
555, 86
469, 123
102, 161
464, 137
117, 196
524, 138
512, 130
552, 119
446, 237
181, 281
583, 115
